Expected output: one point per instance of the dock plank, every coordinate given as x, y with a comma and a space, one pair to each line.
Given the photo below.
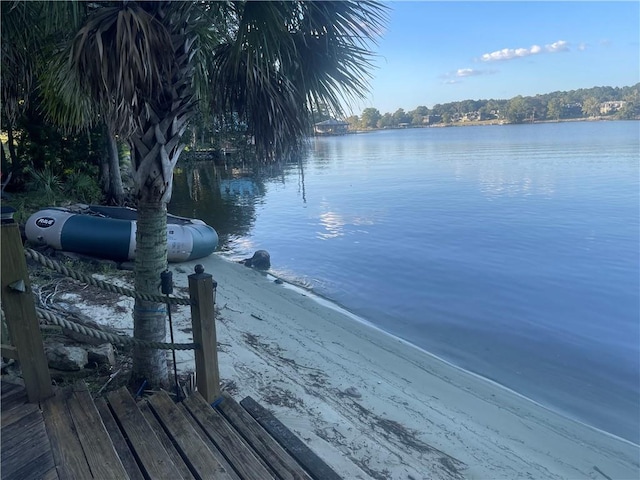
263, 444
25, 448
152, 455
8, 387
96, 443
119, 442
176, 458
232, 446
203, 436
15, 411
50, 475
30, 467
202, 461
67, 450
15, 398
17, 435
312, 463
77, 437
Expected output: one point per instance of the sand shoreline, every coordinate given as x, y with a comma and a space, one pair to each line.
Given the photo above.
376, 407
326, 302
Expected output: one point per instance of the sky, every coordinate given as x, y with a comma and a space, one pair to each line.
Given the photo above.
438, 52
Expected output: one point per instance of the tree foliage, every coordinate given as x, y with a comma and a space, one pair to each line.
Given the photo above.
370, 117
591, 106
551, 106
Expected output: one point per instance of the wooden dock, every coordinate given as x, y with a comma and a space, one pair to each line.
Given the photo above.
71, 436
25, 450
63, 433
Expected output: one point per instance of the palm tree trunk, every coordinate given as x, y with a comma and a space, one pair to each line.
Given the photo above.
149, 318
116, 191
154, 156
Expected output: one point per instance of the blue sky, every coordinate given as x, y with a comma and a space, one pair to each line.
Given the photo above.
439, 52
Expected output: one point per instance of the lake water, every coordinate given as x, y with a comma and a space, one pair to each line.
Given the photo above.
511, 251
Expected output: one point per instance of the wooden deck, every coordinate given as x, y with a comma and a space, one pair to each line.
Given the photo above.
69, 436
25, 450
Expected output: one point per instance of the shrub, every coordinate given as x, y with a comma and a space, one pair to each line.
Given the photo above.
46, 183
82, 187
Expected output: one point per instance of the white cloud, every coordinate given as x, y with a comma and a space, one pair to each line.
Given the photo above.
470, 72
466, 72
559, 46
511, 53
455, 77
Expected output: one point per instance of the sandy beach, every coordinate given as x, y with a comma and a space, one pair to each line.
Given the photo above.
373, 406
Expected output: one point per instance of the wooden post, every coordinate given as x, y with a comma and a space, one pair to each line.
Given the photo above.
20, 314
202, 291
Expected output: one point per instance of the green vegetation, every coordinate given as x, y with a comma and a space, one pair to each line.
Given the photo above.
598, 102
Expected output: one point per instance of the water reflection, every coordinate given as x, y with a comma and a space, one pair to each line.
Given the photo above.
237, 189
195, 185
333, 224
223, 196
338, 225
494, 182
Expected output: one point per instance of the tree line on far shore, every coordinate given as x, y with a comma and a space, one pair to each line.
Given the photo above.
622, 103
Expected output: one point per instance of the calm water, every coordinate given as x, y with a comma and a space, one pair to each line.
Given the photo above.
511, 251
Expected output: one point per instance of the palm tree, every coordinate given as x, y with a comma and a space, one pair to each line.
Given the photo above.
148, 66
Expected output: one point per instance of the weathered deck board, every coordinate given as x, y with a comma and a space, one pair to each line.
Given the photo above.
67, 450
16, 410
77, 437
166, 441
278, 460
98, 449
49, 475
13, 396
316, 467
203, 436
202, 461
226, 439
119, 443
8, 387
152, 456
26, 451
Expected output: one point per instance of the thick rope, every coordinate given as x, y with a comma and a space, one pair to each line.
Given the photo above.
108, 337
47, 262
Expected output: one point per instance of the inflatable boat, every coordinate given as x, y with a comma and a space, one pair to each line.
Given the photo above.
110, 232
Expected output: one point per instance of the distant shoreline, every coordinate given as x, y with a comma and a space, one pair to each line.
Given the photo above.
492, 123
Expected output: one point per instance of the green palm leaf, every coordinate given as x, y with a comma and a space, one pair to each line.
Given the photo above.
286, 57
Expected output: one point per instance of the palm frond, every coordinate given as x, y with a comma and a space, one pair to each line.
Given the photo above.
286, 57
30, 32
65, 99
334, 39
17, 47
124, 53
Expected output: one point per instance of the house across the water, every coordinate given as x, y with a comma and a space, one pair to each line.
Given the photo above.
331, 127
